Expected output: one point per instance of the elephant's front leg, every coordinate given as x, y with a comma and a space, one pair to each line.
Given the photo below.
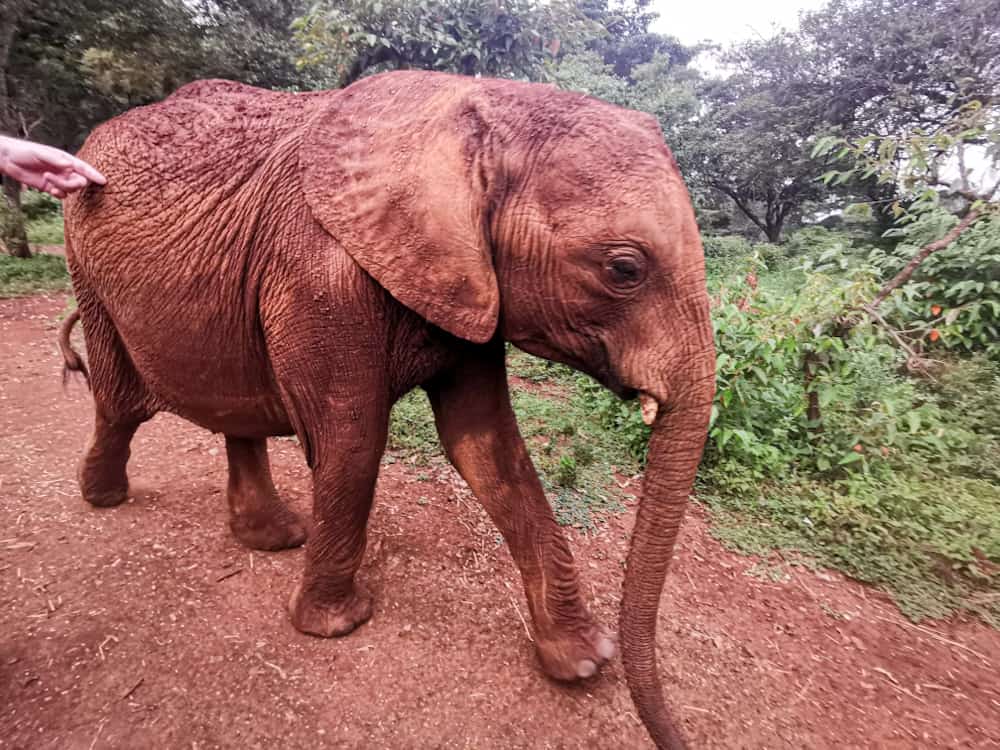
478, 429
346, 451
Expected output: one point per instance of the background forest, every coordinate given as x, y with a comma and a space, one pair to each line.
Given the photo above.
845, 177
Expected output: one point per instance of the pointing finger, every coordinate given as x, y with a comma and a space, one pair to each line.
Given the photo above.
90, 173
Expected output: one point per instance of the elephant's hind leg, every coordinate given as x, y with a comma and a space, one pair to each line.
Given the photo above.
257, 516
102, 476
121, 404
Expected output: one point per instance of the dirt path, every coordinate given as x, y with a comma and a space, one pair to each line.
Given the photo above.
148, 626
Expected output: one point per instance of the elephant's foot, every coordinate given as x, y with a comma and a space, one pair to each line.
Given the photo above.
100, 491
271, 529
574, 653
257, 516
106, 498
327, 619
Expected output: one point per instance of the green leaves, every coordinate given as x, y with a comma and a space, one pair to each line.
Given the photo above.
953, 299
504, 38
824, 145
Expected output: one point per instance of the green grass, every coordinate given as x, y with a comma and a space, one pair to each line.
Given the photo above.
575, 456
46, 229
538, 370
44, 216
411, 428
40, 273
925, 540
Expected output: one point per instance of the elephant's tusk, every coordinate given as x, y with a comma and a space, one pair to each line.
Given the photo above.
649, 408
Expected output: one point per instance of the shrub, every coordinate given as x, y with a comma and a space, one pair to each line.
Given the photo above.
953, 299
38, 205
622, 418
813, 241
725, 246
771, 255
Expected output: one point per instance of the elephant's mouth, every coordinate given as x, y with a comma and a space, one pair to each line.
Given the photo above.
605, 374
609, 381
626, 394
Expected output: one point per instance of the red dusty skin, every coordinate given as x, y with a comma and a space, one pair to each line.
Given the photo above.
674, 453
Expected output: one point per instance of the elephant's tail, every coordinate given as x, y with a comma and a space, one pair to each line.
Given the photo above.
72, 362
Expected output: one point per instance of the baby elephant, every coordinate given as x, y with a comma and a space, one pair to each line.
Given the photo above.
266, 263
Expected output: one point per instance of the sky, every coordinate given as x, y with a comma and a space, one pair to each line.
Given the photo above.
725, 21
728, 21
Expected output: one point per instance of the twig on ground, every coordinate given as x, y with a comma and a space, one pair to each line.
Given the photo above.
132, 689
100, 728
277, 669
804, 690
18, 545
230, 574
696, 708
887, 673
100, 648
934, 635
518, 610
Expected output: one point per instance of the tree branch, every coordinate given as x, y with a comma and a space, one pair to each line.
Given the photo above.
873, 314
903, 276
733, 195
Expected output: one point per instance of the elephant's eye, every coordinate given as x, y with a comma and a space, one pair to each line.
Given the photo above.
626, 270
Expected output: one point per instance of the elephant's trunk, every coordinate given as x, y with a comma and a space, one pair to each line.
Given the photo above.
674, 453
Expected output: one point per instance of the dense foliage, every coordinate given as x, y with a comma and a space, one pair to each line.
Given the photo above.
742, 135
893, 476
512, 38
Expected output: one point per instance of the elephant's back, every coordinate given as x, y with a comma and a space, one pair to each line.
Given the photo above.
181, 156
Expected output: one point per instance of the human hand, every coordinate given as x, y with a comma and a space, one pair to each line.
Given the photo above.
45, 168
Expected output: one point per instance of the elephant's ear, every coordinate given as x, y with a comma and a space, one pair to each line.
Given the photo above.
392, 169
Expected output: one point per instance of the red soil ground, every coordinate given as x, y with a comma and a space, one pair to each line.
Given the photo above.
148, 626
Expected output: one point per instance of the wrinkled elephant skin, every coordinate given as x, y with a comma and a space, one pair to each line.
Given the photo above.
265, 263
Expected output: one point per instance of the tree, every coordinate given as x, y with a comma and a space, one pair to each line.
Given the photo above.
627, 42
935, 215
66, 65
13, 237
632, 67
70, 65
501, 38
883, 66
252, 41
750, 140
887, 67
854, 67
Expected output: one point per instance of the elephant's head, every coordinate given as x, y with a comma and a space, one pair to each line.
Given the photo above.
564, 224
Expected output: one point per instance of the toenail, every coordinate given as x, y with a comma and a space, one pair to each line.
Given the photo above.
586, 668
605, 648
